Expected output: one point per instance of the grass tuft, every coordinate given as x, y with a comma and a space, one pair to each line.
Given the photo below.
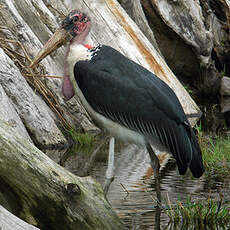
211, 214
82, 144
215, 152
82, 141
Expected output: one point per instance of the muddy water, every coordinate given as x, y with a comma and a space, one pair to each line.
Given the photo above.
132, 192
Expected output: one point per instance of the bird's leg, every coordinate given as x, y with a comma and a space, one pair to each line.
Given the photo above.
156, 166
109, 175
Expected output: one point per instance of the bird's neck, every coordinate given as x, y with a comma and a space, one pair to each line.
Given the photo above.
76, 51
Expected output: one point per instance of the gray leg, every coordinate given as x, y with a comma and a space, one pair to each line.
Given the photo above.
156, 166
109, 175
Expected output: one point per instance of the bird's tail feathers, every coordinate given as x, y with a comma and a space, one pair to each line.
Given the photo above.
186, 150
196, 165
177, 141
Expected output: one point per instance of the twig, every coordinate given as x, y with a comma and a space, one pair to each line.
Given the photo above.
124, 189
33, 75
42, 75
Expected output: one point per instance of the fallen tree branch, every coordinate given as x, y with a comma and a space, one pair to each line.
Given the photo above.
47, 195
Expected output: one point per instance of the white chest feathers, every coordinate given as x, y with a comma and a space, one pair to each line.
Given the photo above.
78, 53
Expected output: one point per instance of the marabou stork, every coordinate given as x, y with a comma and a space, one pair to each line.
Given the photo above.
124, 98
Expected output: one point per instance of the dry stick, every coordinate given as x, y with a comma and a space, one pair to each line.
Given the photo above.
42, 75
124, 189
20, 44
13, 51
38, 85
43, 90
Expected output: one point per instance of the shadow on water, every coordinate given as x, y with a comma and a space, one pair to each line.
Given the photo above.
132, 192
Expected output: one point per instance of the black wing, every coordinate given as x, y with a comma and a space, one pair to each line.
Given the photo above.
129, 94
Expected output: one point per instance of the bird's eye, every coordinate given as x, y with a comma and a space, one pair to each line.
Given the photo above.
75, 18
85, 19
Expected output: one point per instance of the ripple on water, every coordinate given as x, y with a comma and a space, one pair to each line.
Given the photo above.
132, 192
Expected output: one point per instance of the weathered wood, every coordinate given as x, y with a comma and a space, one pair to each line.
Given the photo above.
192, 38
135, 11
47, 195
9, 114
111, 25
225, 93
33, 111
225, 86
8, 221
225, 104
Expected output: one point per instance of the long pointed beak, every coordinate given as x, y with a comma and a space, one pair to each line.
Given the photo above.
57, 40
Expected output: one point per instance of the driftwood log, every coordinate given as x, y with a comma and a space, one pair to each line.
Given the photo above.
45, 194
10, 221
193, 37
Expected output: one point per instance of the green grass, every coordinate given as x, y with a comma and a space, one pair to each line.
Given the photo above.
216, 155
215, 152
211, 214
82, 141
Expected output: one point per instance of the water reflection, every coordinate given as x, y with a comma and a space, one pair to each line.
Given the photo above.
132, 192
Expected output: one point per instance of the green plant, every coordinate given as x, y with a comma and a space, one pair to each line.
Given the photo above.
82, 141
215, 152
209, 214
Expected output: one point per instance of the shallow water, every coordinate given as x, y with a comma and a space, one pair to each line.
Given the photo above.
132, 192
